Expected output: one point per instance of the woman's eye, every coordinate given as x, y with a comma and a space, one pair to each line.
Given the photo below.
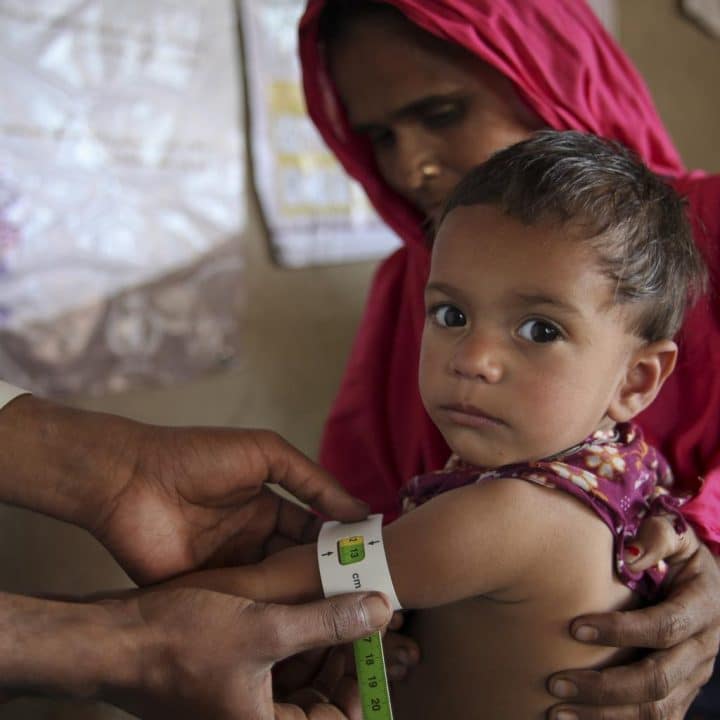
447, 316
381, 137
539, 331
442, 115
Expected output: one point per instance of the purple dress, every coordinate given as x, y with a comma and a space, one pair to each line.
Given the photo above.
614, 472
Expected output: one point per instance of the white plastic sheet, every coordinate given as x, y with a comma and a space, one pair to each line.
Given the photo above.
121, 191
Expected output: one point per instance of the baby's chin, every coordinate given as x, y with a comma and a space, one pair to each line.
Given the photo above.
502, 457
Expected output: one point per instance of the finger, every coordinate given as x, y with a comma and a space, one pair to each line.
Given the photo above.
401, 653
652, 679
325, 711
315, 708
659, 626
651, 711
667, 709
398, 620
284, 711
290, 469
331, 672
297, 671
657, 540
307, 697
689, 609
333, 621
298, 524
347, 697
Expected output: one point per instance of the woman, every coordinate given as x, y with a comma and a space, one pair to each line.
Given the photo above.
410, 95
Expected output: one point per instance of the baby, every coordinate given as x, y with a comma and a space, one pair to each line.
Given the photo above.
560, 273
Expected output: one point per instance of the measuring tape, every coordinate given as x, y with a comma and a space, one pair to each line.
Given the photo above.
352, 558
372, 678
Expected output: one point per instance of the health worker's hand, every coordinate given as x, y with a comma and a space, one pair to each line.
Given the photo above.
329, 675
683, 631
218, 651
163, 500
175, 653
197, 497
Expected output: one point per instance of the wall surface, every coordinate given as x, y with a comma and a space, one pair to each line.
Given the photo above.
680, 63
299, 325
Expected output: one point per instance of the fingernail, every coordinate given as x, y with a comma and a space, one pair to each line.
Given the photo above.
564, 688
566, 715
377, 610
401, 657
586, 633
633, 553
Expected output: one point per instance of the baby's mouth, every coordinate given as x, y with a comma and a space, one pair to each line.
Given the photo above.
465, 414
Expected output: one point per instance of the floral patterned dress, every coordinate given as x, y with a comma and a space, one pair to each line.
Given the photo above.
614, 472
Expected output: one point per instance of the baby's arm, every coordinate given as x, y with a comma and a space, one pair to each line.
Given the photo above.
464, 543
288, 576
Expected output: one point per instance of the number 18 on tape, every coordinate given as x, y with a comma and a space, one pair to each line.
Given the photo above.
369, 658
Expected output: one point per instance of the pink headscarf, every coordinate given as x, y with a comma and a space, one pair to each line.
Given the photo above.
572, 74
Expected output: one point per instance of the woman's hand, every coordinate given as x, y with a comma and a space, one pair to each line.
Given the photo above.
683, 630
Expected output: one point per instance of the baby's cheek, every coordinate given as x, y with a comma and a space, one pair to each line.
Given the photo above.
552, 405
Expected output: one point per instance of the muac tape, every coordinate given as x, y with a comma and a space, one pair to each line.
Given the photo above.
351, 557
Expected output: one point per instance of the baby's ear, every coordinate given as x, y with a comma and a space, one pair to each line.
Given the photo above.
647, 370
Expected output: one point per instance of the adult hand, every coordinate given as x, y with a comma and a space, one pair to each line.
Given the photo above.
684, 632
197, 496
174, 653
162, 500
331, 673
217, 652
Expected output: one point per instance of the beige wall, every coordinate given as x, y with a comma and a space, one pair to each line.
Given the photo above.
680, 64
299, 325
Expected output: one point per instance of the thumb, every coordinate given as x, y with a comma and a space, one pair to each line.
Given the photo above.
333, 621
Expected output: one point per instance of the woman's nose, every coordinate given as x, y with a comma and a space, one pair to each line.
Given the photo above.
478, 357
413, 164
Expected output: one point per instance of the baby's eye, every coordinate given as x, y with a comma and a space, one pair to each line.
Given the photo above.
447, 316
539, 331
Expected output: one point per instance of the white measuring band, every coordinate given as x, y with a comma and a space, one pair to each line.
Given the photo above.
351, 557
9, 392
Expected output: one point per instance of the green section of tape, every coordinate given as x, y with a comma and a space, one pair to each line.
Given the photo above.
351, 550
372, 678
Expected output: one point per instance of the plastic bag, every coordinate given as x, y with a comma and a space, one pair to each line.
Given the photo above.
121, 192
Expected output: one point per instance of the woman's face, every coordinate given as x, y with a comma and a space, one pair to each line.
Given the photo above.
431, 110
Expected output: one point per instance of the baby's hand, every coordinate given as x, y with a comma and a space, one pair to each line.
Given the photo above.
658, 544
401, 651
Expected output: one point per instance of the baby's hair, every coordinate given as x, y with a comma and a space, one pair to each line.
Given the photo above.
636, 221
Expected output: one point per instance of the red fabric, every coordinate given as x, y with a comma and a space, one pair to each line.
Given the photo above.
573, 75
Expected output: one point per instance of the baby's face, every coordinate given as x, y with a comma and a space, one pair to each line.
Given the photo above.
523, 349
